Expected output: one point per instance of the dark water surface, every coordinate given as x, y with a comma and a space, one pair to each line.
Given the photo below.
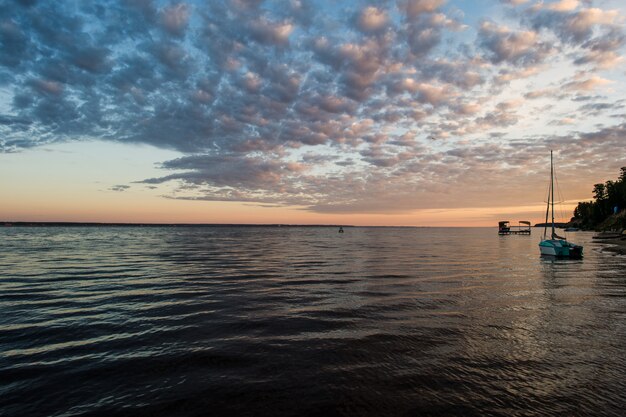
305, 321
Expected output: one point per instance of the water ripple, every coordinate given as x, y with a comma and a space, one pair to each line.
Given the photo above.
305, 321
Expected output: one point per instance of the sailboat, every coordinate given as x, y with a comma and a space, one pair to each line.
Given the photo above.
556, 245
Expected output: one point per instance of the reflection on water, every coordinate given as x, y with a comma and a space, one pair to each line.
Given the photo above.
306, 321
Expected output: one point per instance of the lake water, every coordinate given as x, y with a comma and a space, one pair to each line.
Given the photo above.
271, 321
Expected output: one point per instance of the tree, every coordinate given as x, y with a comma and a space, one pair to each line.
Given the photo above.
599, 192
606, 196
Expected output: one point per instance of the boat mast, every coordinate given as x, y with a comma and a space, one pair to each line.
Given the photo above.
552, 190
545, 223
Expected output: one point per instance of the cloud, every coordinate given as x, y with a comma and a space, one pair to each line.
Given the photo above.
564, 121
545, 92
119, 188
372, 20
13, 43
175, 19
603, 50
329, 107
415, 8
228, 170
586, 84
433, 94
425, 32
46, 87
456, 72
11, 120
514, 2
276, 33
596, 109
507, 75
416, 179
563, 5
573, 26
92, 59
504, 44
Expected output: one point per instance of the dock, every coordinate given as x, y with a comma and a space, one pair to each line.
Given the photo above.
505, 228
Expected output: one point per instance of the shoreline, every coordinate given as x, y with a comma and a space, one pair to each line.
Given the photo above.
617, 246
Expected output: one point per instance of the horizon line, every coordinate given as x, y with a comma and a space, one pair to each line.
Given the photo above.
131, 224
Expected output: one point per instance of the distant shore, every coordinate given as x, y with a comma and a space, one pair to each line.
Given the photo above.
96, 224
557, 225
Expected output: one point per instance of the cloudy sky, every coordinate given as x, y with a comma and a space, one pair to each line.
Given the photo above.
408, 112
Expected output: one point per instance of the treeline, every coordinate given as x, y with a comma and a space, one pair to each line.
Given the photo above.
609, 199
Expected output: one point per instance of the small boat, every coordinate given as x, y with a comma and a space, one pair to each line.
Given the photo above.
556, 245
572, 229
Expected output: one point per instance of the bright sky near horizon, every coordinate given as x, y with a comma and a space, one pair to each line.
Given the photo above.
408, 112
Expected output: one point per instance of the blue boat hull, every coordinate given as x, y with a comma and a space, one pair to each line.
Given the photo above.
560, 248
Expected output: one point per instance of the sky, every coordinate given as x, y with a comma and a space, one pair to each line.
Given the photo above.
408, 112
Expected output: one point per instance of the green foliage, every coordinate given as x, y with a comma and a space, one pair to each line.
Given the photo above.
607, 196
